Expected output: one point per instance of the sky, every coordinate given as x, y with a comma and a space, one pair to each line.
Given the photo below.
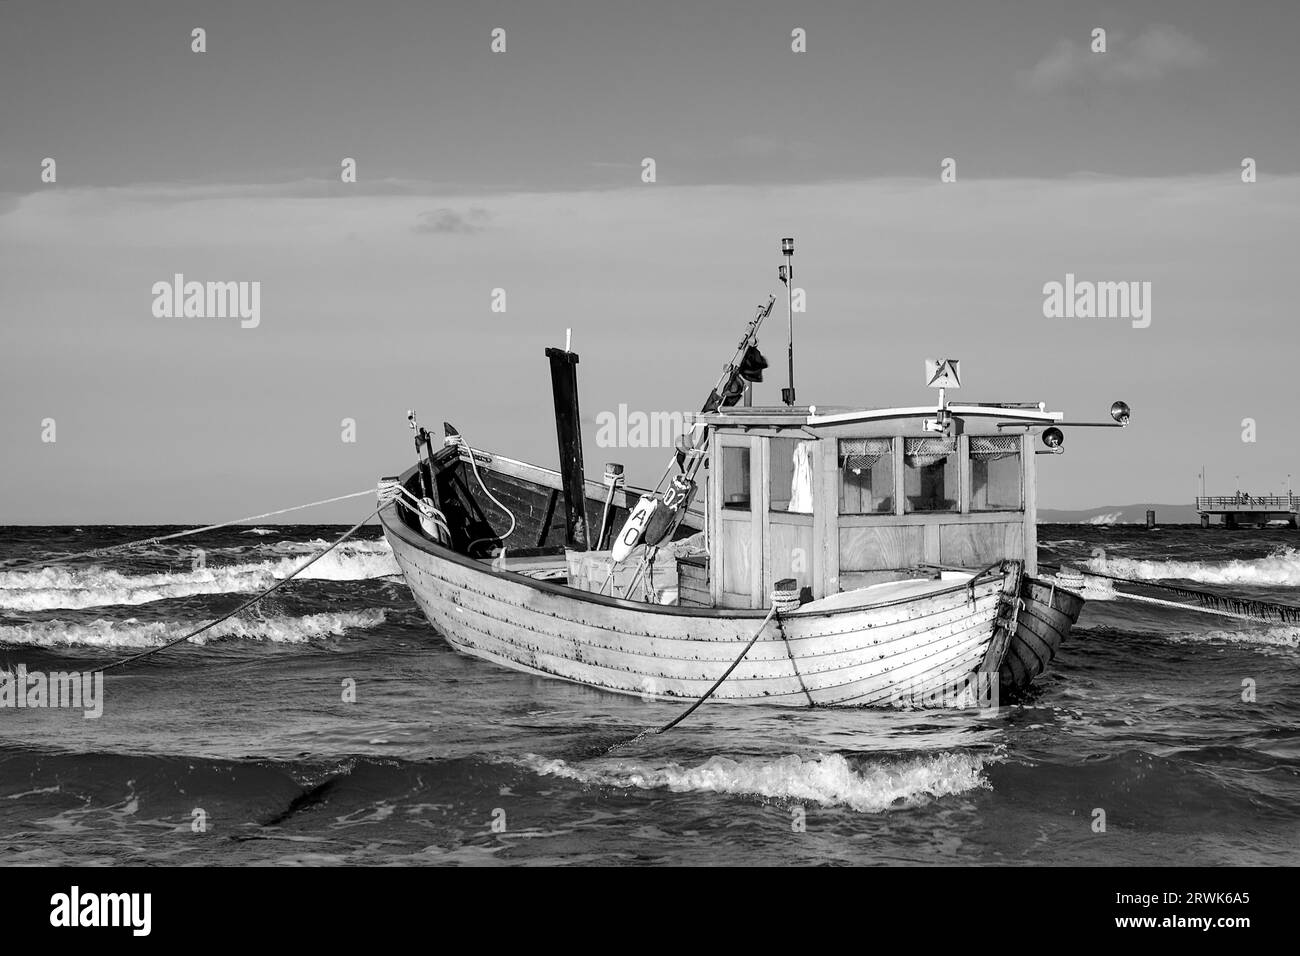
522, 170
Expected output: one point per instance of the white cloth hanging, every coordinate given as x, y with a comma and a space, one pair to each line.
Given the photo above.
801, 491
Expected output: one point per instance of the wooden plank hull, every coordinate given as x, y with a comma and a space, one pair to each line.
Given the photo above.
1045, 619
866, 656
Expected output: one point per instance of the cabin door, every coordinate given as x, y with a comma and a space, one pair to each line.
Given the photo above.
736, 561
790, 474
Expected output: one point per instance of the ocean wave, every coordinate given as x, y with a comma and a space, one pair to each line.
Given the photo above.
181, 553
62, 587
1270, 637
1280, 567
261, 531
352, 546
830, 780
1107, 519
133, 633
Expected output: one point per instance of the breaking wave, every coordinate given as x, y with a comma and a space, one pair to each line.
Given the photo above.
1270, 637
831, 780
61, 587
1280, 567
1107, 519
133, 633
351, 546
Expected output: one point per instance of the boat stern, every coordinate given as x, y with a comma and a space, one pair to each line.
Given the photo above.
1046, 614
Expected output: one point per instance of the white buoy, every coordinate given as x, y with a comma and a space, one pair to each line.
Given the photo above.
630, 534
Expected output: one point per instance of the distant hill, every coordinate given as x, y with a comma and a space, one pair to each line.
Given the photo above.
1121, 514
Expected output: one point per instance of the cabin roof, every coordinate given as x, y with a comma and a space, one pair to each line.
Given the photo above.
811, 416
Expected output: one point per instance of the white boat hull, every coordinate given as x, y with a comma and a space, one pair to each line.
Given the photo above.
877, 655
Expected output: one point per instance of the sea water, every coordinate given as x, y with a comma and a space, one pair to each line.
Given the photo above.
333, 724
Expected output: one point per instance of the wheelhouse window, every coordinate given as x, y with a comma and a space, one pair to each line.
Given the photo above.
930, 474
995, 474
735, 477
866, 476
790, 475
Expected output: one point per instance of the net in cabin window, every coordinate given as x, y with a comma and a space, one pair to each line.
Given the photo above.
930, 474
866, 476
996, 479
735, 477
790, 475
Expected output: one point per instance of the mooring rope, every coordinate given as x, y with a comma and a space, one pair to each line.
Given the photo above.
465, 447
1220, 605
1144, 599
789, 598
415, 506
247, 604
781, 601
144, 542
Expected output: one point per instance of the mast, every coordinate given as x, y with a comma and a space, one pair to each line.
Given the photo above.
786, 272
568, 431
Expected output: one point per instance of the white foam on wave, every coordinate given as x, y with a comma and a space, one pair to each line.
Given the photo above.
351, 546
181, 552
827, 779
261, 531
1269, 637
134, 633
1106, 519
1281, 567
62, 587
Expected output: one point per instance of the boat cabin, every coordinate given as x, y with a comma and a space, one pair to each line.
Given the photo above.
839, 499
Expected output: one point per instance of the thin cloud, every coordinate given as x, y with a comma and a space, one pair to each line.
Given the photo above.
1148, 58
449, 222
768, 147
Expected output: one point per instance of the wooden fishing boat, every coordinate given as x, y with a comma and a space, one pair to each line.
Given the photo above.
899, 544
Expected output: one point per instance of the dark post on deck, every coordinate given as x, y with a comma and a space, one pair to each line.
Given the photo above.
568, 430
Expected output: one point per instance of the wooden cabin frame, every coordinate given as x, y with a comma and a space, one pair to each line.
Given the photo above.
827, 551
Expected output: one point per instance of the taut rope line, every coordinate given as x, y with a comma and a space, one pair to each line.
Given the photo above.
142, 542
1220, 605
1161, 602
247, 604
780, 602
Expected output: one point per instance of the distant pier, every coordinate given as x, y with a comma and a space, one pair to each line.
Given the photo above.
1238, 511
